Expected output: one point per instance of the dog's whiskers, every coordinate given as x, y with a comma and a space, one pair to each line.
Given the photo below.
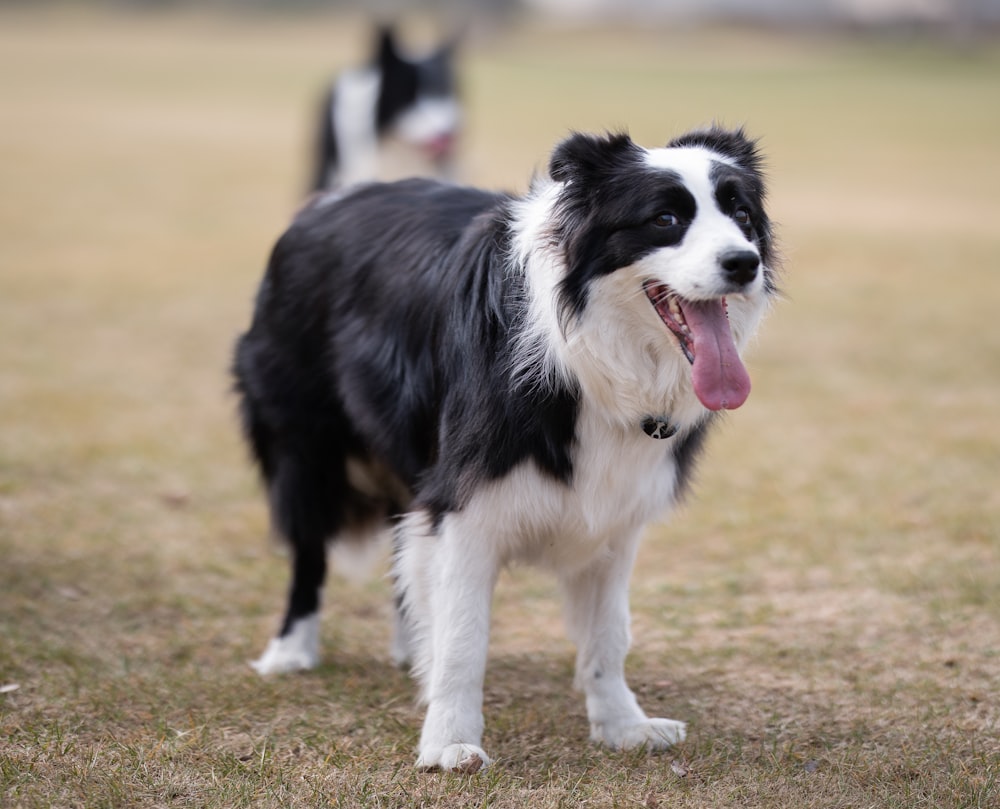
661, 294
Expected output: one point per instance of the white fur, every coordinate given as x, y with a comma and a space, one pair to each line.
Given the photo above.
353, 119
597, 618
296, 651
586, 533
540, 359
428, 119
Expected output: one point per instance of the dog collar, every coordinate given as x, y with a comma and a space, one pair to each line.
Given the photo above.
658, 427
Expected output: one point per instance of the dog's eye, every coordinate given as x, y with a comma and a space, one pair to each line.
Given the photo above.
666, 220
742, 217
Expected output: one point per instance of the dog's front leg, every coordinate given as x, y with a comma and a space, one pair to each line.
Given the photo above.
597, 617
463, 572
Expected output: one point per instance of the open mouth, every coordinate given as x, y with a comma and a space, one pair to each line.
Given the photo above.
703, 334
668, 307
440, 146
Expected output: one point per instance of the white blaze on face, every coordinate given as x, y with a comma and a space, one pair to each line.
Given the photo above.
690, 285
693, 265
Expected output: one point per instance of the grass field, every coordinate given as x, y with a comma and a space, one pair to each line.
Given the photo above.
824, 612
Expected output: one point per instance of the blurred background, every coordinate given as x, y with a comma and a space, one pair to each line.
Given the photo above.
152, 152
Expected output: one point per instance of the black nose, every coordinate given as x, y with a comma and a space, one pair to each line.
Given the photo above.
740, 266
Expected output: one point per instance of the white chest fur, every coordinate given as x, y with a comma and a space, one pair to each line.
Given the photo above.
621, 479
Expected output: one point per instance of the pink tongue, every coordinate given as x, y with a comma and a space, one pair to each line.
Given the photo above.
720, 379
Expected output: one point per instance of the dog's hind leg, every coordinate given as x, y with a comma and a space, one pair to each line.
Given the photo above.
401, 649
597, 617
305, 510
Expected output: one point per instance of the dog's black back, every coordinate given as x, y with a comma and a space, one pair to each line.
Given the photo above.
325, 376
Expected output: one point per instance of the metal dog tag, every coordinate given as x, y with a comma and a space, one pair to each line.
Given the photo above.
657, 427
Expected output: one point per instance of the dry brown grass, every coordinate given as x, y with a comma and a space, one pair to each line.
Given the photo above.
824, 612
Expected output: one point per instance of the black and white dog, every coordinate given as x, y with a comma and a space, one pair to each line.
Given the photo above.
501, 378
397, 116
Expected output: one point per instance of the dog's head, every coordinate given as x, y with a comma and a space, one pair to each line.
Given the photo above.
676, 242
418, 99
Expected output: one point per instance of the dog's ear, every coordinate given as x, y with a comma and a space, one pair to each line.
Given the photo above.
589, 156
731, 143
386, 52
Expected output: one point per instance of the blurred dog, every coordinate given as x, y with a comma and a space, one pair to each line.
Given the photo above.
499, 378
396, 117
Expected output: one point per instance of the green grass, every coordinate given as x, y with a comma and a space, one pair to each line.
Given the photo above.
824, 611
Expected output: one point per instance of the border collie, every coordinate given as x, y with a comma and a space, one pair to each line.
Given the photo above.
503, 378
397, 116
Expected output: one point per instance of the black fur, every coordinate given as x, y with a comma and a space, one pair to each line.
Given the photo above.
394, 352
404, 79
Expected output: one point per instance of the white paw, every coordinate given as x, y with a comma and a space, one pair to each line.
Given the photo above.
653, 734
279, 659
463, 758
296, 651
